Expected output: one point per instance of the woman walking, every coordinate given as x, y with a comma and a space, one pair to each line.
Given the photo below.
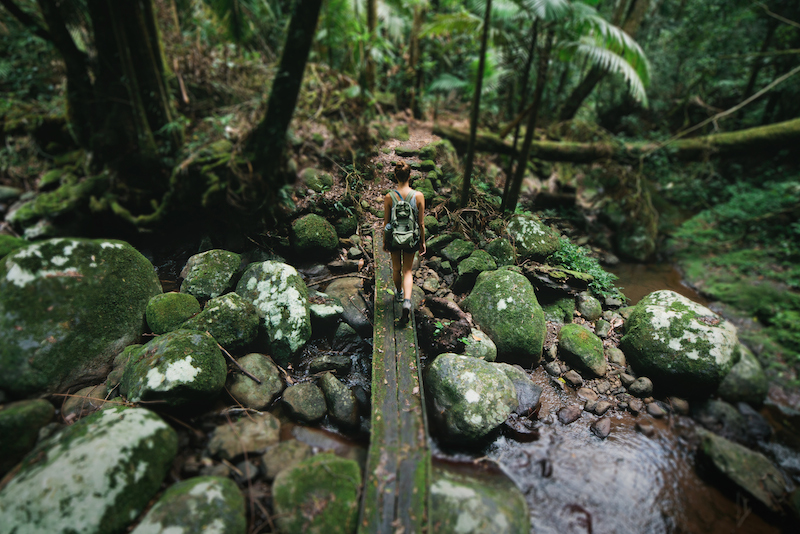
403, 259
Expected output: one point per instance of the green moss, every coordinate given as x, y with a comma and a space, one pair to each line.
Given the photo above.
209, 274
19, 428
560, 311
230, 319
502, 251
9, 243
168, 311
69, 197
580, 348
458, 250
313, 235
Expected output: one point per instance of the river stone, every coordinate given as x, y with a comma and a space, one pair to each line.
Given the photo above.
319, 495
641, 387
477, 505
349, 292
345, 339
471, 396
281, 299
312, 235
581, 349
589, 307
94, 476
341, 402
209, 274
317, 180
284, 455
601, 428
569, 414
325, 312
721, 418
746, 382
749, 470
602, 328
9, 243
180, 367
231, 320
86, 401
338, 363
615, 357
502, 251
168, 311
67, 307
528, 392
19, 428
251, 434
683, 347
479, 345
504, 305
533, 239
469, 269
200, 504
247, 391
572, 378
305, 402
458, 250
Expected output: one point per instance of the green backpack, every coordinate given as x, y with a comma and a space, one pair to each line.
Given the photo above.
403, 225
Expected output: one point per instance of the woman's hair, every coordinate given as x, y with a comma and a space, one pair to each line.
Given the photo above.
401, 171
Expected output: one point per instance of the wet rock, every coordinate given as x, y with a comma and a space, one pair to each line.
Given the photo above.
528, 392
749, 470
168, 311
581, 349
230, 319
569, 414
520, 428
67, 307
587, 394
602, 407
746, 382
86, 401
247, 391
312, 235
346, 339
458, 250
209, 274
325, 312
473, 397
603, 387
472, 505
503, 303
341, 402
721, 418
553, 368
319, 495
430, 285
281, 299
88, 469
645, 429
757, 427
245, 472
615, 357
641, 387
200, 504
635, 406
533, 239
20, 423
627, 379
590, 406
589, 307
602, 328
502, 251
305, 402
339, 364
349, 292
469, 269
601, 428
683, 347
573, 379
179, 367
284, 455
253, 433
479, 345
679, 406
656, 410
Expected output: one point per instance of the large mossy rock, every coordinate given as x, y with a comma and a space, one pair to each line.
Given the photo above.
67, 307
683, 347
317, 180
209, 274
169, 311
340, 400
180, 367
231, 319
533, 239
281, 299
581, 349
93, 477
9, 243
313, 235
504, 304
250, 393
488, 504
318, 496
458, 250
20, 423
471, 396
469, 269
305, 402
746, 382
502, 251
349, 291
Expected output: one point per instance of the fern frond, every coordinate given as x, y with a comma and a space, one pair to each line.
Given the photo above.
447, 82
449, 23
548, 9
612, 62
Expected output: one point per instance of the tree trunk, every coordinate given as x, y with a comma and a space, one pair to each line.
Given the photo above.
414, 78
476, 107
510, 201
372, 24
268, 140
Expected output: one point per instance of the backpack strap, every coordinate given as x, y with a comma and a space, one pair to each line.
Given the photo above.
399, 196
411, 196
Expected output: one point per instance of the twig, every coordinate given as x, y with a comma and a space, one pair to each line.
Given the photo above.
237, 364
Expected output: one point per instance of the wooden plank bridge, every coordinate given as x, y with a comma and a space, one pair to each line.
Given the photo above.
396, 496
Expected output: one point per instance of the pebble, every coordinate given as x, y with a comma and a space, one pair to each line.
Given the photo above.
655, 410
354, 253
641, 387
679, 406
646, 429
245, 472
573, 379
636, 406
602, 407
590, 405
551, 353
553, 369
603, 386
602, 328
587, 394
622, 405
569, 414
626, 379
601, 428
615, 357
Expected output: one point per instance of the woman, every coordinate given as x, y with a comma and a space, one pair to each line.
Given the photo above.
402, 260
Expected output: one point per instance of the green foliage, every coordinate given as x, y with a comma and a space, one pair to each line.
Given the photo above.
576, 258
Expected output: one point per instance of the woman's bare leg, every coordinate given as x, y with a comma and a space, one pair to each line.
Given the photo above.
408, 279
396, 268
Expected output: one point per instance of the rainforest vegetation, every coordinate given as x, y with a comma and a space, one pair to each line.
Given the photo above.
655, 130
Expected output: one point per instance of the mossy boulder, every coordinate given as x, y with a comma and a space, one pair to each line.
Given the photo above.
317, 180
326, 312
582, 349
281, 299
528, 392
589, 307
200, 504
67, 307
426, 188
95, 476
504, 305
346, 226
533, 239
431, 225
252, 434
458, 250
9, 243
284, 455
477, 505
231, 319
305, 402
210, 274
469, 269
349, 291
560, 311
341, 402
406, 151
683, 347
250, 393
319, 495
436, 244
479, 345
471, 397
9, 194
746, 382
312, 235
179, 367
502, 251
168, 311
20, 423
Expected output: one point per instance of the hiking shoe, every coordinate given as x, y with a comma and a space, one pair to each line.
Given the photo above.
406, 311
398, 296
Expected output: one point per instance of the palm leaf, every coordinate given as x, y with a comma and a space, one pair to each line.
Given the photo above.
612, 62
447, 82
547, 9
452, 23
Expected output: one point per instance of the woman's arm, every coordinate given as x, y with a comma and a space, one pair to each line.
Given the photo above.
421, 214
387, 214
